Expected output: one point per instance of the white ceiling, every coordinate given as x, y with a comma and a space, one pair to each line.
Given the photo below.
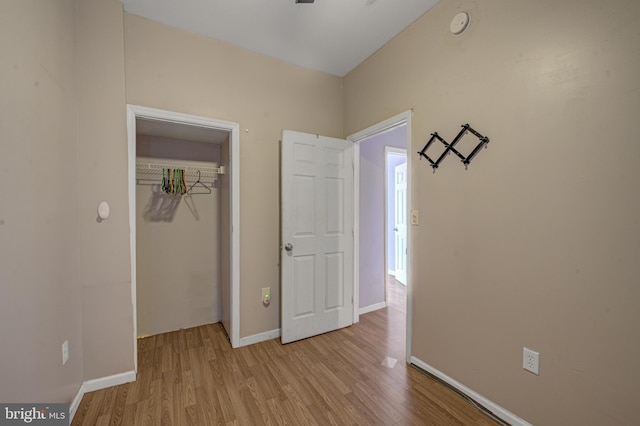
333, 36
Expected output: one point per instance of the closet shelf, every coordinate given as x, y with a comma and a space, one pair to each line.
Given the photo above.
150, 172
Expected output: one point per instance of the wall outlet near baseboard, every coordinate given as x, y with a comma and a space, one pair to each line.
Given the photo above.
531, 360
266, 295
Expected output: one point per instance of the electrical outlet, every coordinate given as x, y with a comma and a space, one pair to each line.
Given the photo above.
65, 352
531, 360
266, 295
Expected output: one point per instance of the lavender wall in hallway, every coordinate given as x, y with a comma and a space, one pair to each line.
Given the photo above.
372, 251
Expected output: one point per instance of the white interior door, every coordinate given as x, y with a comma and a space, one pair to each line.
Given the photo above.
317, 235
401, 222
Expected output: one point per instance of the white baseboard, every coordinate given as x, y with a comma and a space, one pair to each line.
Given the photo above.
97, 384
76, 403
107, 382
372, 308
260, 337
497, 410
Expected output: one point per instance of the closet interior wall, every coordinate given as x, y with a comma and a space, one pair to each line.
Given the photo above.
178, 243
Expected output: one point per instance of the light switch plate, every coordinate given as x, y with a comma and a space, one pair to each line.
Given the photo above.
415, 219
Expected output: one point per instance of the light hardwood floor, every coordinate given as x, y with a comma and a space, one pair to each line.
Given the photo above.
194, 377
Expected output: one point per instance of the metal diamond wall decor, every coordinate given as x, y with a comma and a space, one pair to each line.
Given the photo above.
450, 147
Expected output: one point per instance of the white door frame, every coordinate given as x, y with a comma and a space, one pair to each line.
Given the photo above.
134, 112
356, 138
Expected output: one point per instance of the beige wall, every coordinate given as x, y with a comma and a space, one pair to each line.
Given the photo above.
175, 70
105, 267
537, 244
39, 286
64, 276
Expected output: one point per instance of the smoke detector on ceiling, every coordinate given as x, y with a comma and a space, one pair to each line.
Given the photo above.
459, 23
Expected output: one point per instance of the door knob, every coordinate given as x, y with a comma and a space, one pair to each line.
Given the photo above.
288, 247
395, 229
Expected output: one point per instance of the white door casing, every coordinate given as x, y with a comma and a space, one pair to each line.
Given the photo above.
400, 173
317, 235
135, 112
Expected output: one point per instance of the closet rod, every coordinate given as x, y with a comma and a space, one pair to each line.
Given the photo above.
151, 171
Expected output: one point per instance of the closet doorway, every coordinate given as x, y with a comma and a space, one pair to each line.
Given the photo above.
184, 221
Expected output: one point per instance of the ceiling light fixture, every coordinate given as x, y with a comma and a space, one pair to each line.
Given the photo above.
304, 1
